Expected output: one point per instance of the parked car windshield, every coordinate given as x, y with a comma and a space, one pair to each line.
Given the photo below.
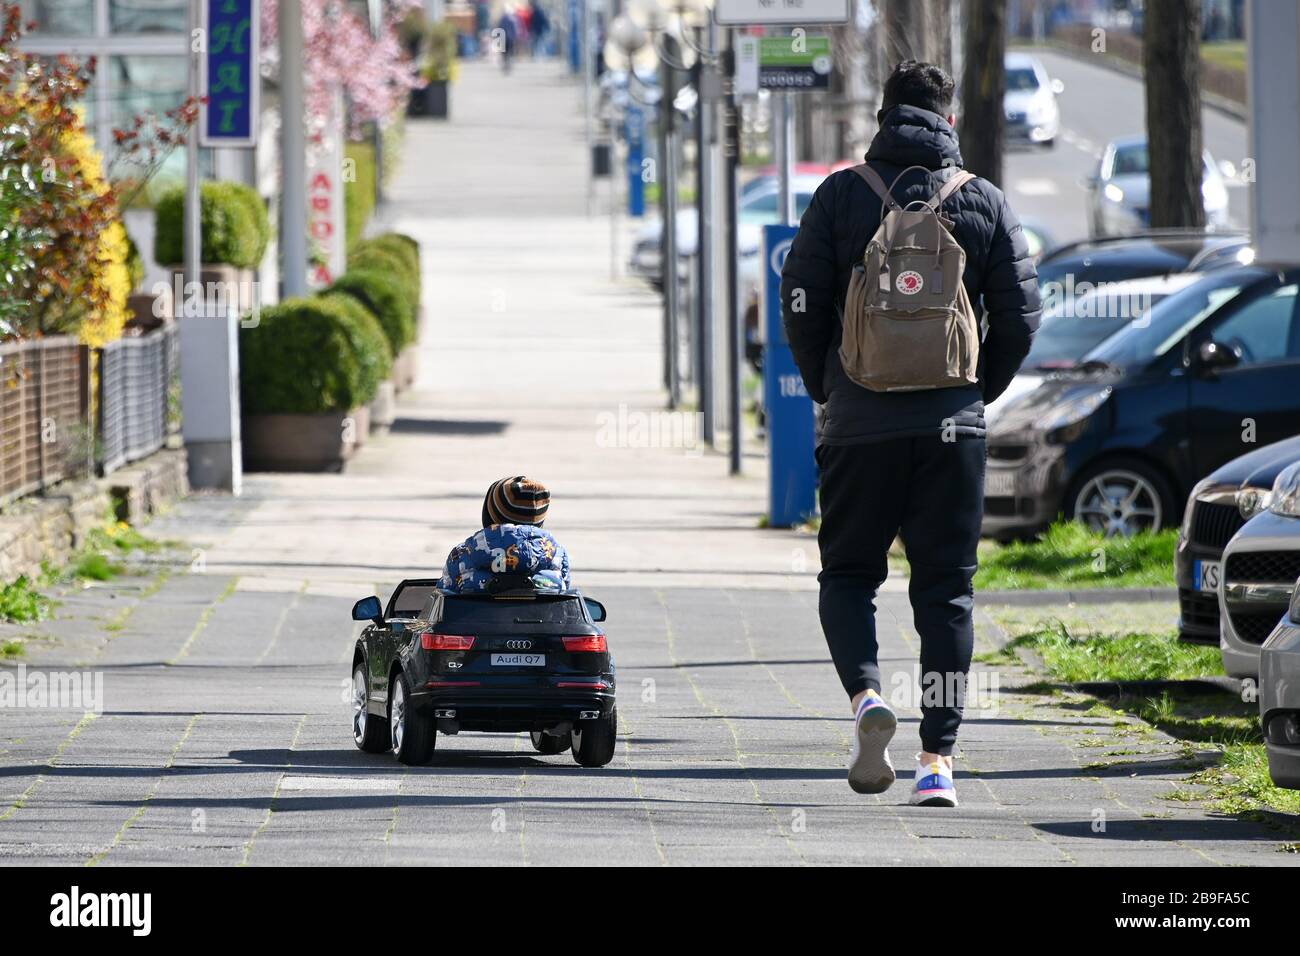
1067, 335
1130, 160
1138, 344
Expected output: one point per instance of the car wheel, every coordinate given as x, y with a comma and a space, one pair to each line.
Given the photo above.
549, 744
414, 734
1120, 498
594, 740
369, 732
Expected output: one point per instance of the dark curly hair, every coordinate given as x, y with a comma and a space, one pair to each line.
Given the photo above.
918, 84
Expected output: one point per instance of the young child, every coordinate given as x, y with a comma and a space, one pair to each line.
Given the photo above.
512, 542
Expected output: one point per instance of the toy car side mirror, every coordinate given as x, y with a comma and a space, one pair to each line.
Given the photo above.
1212, 355
368, 609
595, 609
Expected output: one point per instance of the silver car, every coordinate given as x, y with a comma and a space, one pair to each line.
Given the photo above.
1119, 193
1257, 580
1029, 102
1279, 697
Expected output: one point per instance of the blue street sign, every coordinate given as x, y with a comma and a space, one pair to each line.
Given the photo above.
228, 73
634, 133
792, 470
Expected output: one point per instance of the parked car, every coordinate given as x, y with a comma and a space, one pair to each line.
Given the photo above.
515, 660
1082, 264
758, 207
1029, 103
1218, 506
1118, 440
1119, 192
1260, 567
1071, 329
1279, 696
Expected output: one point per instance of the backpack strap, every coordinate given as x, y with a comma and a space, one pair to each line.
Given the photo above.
872, 179
948, 188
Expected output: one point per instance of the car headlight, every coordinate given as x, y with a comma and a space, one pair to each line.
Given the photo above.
1114, 193
1251, 501
1073, 412
1284, 499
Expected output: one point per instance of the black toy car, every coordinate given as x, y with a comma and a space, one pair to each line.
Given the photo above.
516, 659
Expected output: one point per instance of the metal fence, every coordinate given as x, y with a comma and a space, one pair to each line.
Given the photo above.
42, 413
136, 377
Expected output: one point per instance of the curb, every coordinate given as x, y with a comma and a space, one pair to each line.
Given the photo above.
1080, 596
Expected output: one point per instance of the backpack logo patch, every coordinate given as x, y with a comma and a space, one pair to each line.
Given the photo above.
909, 282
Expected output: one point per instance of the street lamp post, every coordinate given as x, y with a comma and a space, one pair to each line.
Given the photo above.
293, 152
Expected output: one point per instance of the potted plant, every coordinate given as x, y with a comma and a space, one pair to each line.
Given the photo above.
236, 231
437, 70
308, 371
387, 296
376, 357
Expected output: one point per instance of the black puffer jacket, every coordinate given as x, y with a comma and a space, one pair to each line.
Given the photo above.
833, 234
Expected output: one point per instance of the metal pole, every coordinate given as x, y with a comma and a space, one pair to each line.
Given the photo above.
293, 152
735, 343
668, 216
783, 130
704, 159
587, 65
193, 239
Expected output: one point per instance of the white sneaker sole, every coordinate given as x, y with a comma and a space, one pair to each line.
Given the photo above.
933, 798
870, 770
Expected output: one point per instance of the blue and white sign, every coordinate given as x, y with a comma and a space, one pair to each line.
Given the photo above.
792, 470
228, 74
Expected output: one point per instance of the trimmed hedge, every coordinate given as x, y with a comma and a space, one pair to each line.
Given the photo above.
369, 256
306, 356
358, 189
388, 299
235, 225
370, 345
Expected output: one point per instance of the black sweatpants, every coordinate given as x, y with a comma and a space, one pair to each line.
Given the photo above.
932, 491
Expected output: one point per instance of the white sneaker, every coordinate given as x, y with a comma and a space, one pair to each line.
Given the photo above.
870, 770
934, 786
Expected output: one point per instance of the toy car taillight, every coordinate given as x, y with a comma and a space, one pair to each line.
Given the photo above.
446, 642
586, 642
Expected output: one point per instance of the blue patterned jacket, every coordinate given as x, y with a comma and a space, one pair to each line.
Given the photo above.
506, 549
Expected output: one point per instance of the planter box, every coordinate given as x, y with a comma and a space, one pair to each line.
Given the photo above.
294, 442
409, 363
384, 408
236, 287
431, 100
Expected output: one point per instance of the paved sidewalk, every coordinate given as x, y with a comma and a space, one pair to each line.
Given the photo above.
225, 735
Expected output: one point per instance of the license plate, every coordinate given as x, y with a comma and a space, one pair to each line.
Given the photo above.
518, 660
1000, 484
1205, 575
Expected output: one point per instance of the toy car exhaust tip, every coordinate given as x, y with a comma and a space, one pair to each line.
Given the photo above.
589, 715
445, 714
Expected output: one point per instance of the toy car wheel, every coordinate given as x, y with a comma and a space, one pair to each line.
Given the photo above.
368, 731
594, 740
545, 743
414, 734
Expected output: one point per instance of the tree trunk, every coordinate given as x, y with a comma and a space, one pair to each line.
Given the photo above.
1171, 57
983, 83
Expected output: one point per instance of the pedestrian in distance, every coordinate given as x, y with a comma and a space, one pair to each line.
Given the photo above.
909, 299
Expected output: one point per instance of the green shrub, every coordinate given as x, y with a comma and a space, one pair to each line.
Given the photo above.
304, 356
235, 226
369, 344
369, 255
388, 300
358, 189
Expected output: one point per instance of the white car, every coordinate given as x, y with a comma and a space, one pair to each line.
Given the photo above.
1073, 325
758, 207
1029, 103
1119, 193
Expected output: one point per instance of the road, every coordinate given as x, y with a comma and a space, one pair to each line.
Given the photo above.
224, 737
1099, 105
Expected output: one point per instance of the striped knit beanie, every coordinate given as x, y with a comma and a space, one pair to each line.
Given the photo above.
517, 500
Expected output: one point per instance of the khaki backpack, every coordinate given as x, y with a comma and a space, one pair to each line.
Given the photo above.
908, 323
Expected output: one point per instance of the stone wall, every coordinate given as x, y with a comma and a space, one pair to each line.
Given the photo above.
51, 527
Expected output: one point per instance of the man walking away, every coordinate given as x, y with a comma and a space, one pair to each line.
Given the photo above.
895, 356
